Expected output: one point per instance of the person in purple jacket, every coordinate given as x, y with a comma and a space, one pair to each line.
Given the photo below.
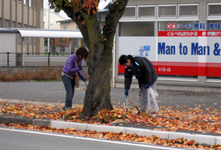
69, 73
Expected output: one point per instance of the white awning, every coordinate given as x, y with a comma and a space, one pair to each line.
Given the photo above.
42, 33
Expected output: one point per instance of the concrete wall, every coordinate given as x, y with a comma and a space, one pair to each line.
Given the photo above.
13, 10
6, 5
69, 26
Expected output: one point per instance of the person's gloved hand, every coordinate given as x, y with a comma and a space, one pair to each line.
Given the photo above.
126, 92
147, 86
80, 67
82, 78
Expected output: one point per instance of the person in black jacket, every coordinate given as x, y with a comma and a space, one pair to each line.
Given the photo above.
145, 73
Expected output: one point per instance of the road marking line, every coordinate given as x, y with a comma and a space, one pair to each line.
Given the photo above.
88, 138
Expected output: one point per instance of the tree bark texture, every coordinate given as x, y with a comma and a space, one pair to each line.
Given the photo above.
100, 45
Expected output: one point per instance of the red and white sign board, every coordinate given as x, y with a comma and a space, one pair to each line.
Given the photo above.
184, 53
190, 33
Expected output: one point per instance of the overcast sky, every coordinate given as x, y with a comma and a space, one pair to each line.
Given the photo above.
61, 12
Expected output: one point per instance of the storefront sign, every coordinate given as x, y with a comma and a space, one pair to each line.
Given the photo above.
179, 26
185, 53
190, 33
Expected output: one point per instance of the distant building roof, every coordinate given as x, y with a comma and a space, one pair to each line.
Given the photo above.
53, 12
65, 21
8, 30
43, 33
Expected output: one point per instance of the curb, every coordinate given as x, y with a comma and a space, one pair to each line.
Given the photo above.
26, 120
202, 139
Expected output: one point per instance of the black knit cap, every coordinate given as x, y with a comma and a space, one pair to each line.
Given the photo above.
123, 59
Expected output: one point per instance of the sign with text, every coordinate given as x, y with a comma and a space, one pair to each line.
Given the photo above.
185, 53
190, 33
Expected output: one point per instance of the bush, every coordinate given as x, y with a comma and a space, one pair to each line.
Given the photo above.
42, 74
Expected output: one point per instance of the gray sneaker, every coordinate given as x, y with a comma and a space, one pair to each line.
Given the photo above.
153, 115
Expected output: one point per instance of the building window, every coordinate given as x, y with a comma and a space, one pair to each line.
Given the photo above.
214, 9
42, 5
30, 3
65, 27
188, 10
102, 17
13, 24
167, 11
146, 11
129, 13
137, 29
7, 23
18, 37
214, 25
19, 25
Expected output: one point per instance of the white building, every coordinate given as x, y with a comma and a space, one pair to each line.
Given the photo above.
54, 17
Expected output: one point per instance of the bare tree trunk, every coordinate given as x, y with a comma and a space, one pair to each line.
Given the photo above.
98, 91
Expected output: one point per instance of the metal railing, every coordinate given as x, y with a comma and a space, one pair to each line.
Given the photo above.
33, 59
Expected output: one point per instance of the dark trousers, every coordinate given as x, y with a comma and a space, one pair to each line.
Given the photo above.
69, 86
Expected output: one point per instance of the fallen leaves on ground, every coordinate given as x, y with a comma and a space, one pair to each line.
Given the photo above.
168, 118
181, 143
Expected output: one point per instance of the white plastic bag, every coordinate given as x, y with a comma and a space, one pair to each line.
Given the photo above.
152, 101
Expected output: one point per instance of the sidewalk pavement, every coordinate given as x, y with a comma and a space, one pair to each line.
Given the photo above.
174, 99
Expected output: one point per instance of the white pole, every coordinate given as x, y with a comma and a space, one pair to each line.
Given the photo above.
70, 45
113, 64
48, 27
23, 51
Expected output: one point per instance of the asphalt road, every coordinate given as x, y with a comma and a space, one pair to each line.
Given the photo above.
11, 139
55, 92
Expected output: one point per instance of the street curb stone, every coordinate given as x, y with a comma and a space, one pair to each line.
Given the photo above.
148, 132
218, 140
64, 124
5, 119
18, 119
103, 128
202, 139
44, 122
